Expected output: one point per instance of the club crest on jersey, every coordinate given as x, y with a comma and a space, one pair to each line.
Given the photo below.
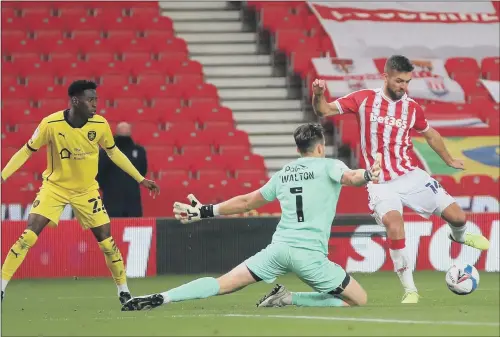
436, 86
389, 120
91, 135
36, 203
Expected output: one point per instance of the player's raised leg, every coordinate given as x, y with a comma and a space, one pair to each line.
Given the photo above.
457, 220
114, 260
204, 287
17, 253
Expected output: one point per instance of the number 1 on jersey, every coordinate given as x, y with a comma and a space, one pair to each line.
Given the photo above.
298, 202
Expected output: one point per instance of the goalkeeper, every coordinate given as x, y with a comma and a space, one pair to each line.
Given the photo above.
308, 190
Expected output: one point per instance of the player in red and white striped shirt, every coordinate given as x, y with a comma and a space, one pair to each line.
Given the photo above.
386, 116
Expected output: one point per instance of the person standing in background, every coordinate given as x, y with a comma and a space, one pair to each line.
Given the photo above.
121, 194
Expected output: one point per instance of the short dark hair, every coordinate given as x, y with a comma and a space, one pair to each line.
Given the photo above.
398, 63
307, 136
78, 87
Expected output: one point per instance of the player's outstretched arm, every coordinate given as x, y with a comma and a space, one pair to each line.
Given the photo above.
124, 163
15, 163
321, 107
436, 142
361, 177
195, 210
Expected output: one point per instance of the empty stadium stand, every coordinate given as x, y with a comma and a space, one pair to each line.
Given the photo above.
147, 76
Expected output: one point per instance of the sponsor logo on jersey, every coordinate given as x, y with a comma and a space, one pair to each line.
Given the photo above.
389, 120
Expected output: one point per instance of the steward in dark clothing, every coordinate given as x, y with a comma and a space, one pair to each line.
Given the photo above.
121, 193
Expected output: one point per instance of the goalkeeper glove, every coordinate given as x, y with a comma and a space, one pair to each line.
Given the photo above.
195, 211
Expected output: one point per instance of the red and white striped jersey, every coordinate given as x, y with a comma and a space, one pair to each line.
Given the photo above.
384, 127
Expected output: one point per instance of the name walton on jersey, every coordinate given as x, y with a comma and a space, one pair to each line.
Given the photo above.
296, 173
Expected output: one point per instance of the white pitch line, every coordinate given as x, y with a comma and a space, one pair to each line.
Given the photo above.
368, 320
320, 318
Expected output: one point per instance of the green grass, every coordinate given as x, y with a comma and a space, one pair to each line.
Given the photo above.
89, 307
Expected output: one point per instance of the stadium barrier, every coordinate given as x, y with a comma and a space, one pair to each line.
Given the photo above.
164, 246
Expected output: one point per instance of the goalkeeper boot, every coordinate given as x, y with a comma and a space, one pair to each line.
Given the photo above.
474, 240
410, 298
143, 303
276, 298
124, 297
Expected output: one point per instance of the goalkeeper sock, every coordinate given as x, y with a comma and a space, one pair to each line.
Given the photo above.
399, 258
114, 261
200, 288
16, 255
311, 299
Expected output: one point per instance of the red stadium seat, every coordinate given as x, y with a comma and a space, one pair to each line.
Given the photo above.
247, 162
252, 176
201, 91
232, 150
197, 150
490, 68
275, 18
52, 105
301, 61
100, 57
115, 80
132, 59
144, 128
152, 80
212, 176
289, 41
233, 137
188, 79
144, 21
158, 151
156, 35
458, 65
190, 67
222, 126
480, 185
172, 178
180, 163
166, 104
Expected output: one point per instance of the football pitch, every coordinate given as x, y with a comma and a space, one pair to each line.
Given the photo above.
89, 307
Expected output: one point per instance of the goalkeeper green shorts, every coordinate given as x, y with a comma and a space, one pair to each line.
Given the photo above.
312, 267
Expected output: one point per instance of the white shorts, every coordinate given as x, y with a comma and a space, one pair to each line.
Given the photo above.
416, 190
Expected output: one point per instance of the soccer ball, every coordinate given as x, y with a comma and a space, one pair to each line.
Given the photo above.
462, 279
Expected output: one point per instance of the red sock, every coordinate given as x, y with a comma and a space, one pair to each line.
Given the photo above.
397, 244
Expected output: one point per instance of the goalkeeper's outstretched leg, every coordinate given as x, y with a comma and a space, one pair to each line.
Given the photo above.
349, 294
235, 280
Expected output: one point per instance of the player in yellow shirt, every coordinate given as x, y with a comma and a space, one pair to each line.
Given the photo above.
73, 137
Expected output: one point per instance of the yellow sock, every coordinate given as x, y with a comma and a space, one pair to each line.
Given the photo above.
114, 261
17, 253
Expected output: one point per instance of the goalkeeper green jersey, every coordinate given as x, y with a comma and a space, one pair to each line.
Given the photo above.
308, 190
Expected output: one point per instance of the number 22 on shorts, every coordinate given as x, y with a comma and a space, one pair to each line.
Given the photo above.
96, 208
